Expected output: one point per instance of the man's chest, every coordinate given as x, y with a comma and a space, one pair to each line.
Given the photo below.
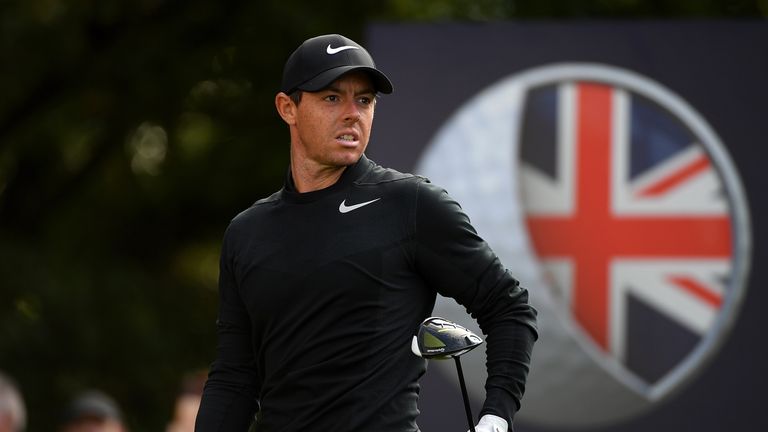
337, 252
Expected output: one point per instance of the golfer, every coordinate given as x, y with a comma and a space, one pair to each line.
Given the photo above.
323, 284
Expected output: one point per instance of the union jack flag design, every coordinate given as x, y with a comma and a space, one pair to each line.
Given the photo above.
628, 214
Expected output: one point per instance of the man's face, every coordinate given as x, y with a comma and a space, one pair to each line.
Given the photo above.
94, 424
332, 126
6, 423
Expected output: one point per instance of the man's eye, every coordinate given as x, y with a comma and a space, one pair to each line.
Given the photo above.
365, 100
332, 98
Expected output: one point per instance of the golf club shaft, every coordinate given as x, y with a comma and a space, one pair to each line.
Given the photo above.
467, 408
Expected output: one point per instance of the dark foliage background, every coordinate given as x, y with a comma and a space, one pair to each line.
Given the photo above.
130, 133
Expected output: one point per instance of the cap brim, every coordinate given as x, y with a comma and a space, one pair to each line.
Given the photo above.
381, 83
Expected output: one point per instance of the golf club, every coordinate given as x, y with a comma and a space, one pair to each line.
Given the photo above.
440, 339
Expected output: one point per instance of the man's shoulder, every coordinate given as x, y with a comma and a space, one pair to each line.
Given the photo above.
381, 175
257, 208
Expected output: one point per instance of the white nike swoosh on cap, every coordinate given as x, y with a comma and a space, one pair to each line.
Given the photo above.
344, 208
332, 51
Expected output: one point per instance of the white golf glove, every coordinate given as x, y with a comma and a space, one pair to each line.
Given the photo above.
491, 423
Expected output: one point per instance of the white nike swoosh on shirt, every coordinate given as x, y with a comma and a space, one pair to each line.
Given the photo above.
332, 51
344, 208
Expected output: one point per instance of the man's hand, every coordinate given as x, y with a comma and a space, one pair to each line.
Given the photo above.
491, 423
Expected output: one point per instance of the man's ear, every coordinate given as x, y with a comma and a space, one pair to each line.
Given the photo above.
286, 108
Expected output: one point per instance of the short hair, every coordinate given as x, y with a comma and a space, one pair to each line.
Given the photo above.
296, 96
12, 404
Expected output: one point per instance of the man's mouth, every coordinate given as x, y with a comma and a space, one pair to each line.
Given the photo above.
348, 139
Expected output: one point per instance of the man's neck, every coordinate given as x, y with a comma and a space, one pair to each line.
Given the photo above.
308, 177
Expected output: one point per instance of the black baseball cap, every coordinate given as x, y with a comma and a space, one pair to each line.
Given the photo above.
321, 60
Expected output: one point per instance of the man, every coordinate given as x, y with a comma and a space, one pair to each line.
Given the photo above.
324, 283
187, 403
13, 413
92, 411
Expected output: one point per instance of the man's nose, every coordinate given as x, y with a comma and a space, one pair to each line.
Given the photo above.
351, 112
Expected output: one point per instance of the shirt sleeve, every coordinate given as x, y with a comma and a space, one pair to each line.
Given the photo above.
230, 397
453, 259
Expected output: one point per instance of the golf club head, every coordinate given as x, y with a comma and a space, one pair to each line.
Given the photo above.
438, 338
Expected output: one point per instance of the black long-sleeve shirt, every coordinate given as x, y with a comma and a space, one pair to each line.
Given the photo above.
321, 293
